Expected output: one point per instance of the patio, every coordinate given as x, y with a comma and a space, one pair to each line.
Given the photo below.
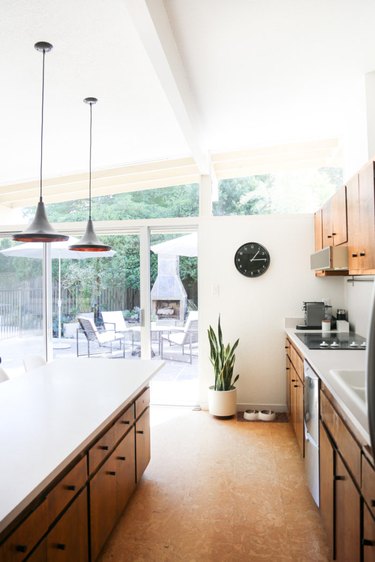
175, 384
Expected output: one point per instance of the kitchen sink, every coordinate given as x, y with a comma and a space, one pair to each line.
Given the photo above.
354, 381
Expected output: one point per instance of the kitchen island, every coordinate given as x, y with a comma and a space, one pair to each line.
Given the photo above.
66, 421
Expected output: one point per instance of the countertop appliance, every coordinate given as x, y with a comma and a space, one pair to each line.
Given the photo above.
333, 340
314, 314
311, 429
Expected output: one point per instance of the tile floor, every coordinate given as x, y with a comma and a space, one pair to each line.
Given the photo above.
219, 490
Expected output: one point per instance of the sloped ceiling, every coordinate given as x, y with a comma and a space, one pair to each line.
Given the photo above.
177, 79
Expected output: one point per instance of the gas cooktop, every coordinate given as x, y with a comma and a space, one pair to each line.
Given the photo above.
322, 340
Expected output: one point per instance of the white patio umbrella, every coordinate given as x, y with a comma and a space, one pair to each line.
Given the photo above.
186, 245
59, 250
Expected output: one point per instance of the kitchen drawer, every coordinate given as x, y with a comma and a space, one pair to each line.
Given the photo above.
343, 439
368, 484
297, 361
25, 537
67, 488
102, 448
124, 422
142, 402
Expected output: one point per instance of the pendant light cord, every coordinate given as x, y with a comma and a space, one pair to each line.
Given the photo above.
41, 134
90, 152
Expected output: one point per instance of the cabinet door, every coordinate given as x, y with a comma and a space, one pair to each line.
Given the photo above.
327, 224
125, 470
103, 510
68, 540
298, 424
347, 516
339, 217
368, 541
318, 230
366, 215
142, 443
288, 385
326, 468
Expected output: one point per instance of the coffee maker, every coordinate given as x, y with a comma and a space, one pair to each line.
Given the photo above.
315, 312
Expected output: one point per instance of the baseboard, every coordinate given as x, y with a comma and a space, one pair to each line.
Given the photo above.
242, 407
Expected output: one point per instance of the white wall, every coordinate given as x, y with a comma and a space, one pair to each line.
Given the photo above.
358, 297
254, 309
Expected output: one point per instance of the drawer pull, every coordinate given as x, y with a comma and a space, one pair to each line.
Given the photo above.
140, 432
329, 236
121, 458
294, 380
60, 546
368, 542
287, 368
21, 548
111, 473
362, 254
295, 385
354, 255
337, 477
125, 422
104, 447
372, 503
71, 487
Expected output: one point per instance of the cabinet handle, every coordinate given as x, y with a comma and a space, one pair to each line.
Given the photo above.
60, 546
368, 542
111, 473
337, 477
104, 447
334, 233
362, 254
121, 458
354, 255
71, 487
372, 503
21, 548
329, 236
140, 431
125, 422
295, 385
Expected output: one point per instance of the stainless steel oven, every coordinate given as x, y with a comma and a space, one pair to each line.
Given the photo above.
311, 429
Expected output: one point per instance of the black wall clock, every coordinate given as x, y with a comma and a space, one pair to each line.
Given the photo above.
252, 259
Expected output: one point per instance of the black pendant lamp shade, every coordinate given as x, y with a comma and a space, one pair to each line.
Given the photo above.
40, 229
89, 241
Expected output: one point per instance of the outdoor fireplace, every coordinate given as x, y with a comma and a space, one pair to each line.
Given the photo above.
168, 295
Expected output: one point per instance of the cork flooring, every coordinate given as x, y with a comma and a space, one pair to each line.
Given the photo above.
219, 490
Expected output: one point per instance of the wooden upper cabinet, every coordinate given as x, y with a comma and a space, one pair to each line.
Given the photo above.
334, 220
361, 221
318, 230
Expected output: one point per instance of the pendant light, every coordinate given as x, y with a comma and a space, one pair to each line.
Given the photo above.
89, 241
40, 229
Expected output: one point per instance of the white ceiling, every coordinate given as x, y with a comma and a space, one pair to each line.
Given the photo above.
177, 78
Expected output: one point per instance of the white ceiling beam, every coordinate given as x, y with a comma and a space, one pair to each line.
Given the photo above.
152, 25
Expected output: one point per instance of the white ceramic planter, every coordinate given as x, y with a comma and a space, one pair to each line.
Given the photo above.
222, 403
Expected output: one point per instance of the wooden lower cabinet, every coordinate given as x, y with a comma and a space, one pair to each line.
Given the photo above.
68, 539
347, 516
110, 490
327, 471
294, 370
368, 541
142, 443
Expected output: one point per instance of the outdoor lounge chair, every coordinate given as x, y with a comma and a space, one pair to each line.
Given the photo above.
94, 338
184, 338
114, 320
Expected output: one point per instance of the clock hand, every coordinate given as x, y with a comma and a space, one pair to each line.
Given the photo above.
259, 259
253, 258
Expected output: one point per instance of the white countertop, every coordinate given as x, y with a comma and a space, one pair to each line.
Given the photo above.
323, 361
50, 413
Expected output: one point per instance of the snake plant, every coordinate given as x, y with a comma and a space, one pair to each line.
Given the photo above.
222, 358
